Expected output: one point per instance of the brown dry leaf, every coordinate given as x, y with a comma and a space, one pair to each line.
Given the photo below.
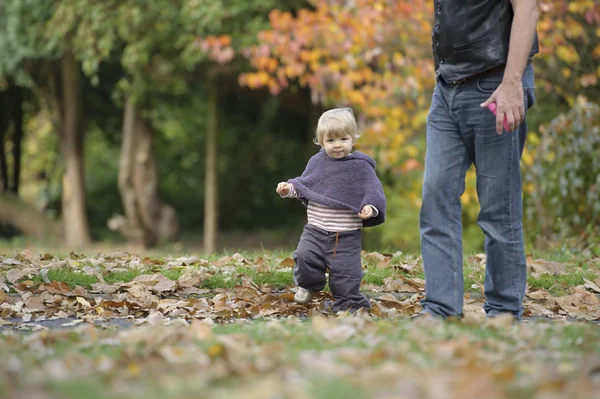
287, 262
376, 258
409, 268
478, 259
186, 280
11, 262
535, 309
395, 284
149, 279
25, 255
591, 285
239, 258
538, 267
154, 318
192, 260
82, 301
539, 295
164, 285
35, 303
13, 275
150, 262
104, 288
581, 304
55, 287
224, 261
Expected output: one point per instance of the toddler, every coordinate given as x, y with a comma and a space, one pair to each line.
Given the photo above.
342, 194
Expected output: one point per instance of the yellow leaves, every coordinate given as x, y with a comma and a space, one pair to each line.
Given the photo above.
567, 54
370, 55
216, 350
411, 151
133, 369
527, 158
398, 58
573, 29
356, 97
255, 80
566, 72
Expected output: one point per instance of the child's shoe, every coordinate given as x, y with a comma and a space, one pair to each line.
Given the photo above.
303, 296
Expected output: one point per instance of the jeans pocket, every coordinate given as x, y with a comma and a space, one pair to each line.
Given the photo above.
488, 85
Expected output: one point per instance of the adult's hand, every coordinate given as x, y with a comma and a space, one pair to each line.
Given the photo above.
509, 102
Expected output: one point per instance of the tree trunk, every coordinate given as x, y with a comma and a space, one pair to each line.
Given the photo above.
28, 220
133, 228
5, 116
18, 138
210, 180
147, 220
75, 220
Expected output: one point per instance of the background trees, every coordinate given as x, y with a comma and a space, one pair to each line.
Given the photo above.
173, 120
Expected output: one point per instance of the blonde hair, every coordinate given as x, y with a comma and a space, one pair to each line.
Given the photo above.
337, 122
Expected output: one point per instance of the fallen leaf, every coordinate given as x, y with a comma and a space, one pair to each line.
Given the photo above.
14, 275
287, 262
591, 285
539, 267
86, 304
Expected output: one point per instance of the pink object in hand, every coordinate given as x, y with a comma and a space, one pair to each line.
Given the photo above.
492, 107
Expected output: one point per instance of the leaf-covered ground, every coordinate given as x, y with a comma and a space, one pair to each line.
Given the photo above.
129, 326
344, 357
37, 287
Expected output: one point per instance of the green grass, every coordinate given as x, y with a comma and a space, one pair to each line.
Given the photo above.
578, 268
220, 281
138, 365
560, 284
377, 275
121, 276
68, 276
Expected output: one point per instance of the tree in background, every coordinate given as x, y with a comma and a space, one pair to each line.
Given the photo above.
375, 56
48, 67
570, 49
162, 46
372, 55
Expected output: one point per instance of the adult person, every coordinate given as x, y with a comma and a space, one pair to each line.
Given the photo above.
482, 51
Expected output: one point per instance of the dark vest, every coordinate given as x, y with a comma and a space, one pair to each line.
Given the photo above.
471, 36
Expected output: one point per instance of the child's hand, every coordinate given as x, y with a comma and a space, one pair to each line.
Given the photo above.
366, 213
283, 189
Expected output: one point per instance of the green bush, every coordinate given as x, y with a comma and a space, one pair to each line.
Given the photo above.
565, 179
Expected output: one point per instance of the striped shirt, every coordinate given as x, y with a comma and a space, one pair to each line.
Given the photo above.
330, 219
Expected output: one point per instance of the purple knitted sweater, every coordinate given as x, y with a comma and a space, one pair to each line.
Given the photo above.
347, 183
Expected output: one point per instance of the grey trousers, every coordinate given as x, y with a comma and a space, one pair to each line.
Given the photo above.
319, 250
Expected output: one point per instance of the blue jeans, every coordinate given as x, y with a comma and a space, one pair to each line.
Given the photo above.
459, 133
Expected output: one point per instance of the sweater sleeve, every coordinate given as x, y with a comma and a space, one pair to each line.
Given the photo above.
292, 193
310, 167
375, 197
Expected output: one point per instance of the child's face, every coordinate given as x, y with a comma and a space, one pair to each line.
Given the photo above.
338, 147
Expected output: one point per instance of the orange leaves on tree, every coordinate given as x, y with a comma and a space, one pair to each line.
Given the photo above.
218, 48
371, 55
569, 33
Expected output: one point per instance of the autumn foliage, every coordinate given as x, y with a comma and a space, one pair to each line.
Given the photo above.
371, 55
569, 56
